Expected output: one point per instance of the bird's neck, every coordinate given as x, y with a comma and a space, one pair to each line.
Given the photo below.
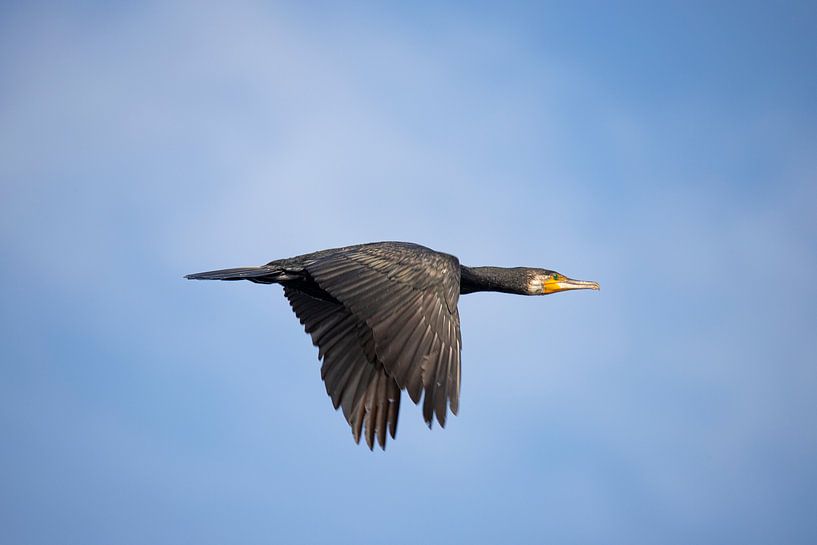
502, 279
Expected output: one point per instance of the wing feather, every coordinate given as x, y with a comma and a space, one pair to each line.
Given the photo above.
355, 379
394, 406
407, 296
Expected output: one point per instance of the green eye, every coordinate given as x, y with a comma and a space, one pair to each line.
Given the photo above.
555, 276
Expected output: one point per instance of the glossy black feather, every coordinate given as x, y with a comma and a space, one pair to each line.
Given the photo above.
397, 290
355, 381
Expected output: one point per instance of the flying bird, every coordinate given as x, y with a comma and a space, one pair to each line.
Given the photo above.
384, 318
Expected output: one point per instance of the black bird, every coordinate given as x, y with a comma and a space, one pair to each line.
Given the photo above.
384, 318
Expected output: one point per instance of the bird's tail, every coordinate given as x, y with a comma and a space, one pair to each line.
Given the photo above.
261, 275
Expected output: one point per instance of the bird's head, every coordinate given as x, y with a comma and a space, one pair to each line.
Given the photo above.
544, 282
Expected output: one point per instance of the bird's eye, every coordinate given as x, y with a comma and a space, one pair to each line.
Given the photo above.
555, 276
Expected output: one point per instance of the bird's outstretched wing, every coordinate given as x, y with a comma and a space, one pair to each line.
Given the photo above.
353, 377
405, 297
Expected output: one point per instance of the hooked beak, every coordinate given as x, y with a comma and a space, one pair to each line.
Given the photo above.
564, 284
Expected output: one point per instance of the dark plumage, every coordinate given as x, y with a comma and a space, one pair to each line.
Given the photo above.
384, 318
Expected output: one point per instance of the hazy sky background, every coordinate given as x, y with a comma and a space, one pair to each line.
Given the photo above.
669, 152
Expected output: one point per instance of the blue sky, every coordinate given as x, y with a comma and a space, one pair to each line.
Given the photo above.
669, 152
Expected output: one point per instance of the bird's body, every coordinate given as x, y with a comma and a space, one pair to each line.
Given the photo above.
384, 318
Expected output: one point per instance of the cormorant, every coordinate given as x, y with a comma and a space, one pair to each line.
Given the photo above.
384, 318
